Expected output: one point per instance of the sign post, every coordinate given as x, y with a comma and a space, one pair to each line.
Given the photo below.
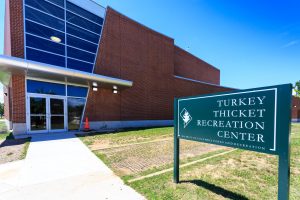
253, 119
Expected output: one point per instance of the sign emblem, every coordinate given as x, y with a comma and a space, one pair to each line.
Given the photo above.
186, 117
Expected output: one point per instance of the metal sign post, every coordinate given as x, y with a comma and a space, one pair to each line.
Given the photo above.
253, 119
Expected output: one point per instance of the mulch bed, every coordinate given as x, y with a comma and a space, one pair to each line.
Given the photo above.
11, 150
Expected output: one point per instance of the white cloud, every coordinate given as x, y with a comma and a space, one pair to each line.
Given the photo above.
291, 43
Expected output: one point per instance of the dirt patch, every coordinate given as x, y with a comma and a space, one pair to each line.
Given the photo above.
11, 150
128, 160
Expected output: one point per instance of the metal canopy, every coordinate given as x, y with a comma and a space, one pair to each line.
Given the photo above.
12, 65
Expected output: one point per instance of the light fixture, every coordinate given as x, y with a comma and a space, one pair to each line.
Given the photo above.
115, 87
95, 89
95, 84
295, 106
115, 91
55, 39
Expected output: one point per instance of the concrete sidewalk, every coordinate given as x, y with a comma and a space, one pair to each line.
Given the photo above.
60, 166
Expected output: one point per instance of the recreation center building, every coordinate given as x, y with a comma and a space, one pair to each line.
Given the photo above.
66, 60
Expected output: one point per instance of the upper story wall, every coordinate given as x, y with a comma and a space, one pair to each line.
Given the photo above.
13, 28
189, 66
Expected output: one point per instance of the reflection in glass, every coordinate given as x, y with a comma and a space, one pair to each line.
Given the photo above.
57, 122
76, 91
38, 123
57, 106
45, 87
75, 109
37, 105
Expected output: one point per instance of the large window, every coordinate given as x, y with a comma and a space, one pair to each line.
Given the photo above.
76, 98
61, 33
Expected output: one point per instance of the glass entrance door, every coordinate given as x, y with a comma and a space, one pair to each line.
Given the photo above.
46, 113
38, 114
57, 110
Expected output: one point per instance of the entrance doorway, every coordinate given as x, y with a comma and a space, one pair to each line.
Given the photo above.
46, 113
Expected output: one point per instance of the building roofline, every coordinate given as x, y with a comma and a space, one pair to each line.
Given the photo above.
140, 24
196, 57
202, 82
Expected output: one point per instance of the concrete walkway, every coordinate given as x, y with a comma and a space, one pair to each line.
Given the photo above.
60, 166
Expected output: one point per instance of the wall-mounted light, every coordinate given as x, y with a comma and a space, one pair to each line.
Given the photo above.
295, 106
95, 89
95, 84
115, 87
55, 39
115, 91
5, 93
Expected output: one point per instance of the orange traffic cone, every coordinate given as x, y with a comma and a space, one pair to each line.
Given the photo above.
86, 125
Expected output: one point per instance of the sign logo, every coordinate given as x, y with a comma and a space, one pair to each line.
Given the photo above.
186, 117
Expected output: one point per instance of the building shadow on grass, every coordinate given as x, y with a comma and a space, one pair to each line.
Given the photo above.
217, 189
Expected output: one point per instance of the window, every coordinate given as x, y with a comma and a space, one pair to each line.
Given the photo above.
58, 2
82, 55
44, 32
66, 40
81, 44
79, 32
75, 9
76, 91
46, 45
40, 56
79, 21
45, 88
44, 19
47, 7
75, 111
78, 65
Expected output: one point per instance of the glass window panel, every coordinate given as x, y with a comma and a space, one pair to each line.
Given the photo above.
46, 7
57, 106
44, 19
44, 44
79, 32
75, 111
57, 122
82, 66
82, 55
45, 87
81, 44
84, 13
43, 31
39, 56
37, 105
58, 2
83, 23
77, 91
37, 123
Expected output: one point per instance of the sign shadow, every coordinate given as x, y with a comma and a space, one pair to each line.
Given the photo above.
217, 189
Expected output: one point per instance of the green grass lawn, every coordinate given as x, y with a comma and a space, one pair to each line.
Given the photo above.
238, 175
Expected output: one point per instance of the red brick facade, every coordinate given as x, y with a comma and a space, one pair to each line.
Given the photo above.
296, 108
14, 46
189, 66
134, 52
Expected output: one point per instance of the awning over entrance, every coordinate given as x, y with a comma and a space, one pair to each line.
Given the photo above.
12, 65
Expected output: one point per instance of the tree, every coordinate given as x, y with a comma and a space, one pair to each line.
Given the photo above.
1, 109
297, 88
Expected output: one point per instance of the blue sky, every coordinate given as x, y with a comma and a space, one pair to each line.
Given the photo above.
253, 42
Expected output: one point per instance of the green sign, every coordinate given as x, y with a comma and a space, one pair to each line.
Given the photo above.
253, 119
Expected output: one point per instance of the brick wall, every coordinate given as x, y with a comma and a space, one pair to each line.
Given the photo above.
296, 108
14, 46
134, 52
189, 66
